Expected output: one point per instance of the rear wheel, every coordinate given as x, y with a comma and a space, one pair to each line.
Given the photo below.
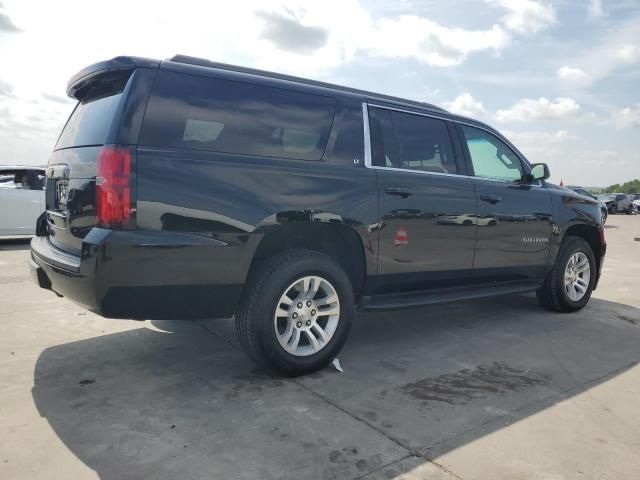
568, 286
296, 312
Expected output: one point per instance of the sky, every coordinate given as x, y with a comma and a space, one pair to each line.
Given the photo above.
560, 79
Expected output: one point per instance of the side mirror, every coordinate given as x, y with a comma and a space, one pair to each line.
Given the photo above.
539, 171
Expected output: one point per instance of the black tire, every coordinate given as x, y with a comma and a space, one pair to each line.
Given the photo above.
255, 315
604, 215
614, 209
552, 295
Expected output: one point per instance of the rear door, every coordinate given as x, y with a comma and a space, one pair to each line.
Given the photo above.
427, 228
514, 218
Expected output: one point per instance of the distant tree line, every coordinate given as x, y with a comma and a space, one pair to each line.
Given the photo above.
632, 186
628, 187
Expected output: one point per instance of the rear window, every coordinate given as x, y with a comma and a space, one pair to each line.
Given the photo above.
200, 113
90, 121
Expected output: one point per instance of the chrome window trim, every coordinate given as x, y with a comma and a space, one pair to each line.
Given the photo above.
421, 114
367, 136
368, 157
423, 172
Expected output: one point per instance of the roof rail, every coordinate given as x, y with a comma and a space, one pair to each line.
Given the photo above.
201, 62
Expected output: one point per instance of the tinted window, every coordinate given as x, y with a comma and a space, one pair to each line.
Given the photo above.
346, 142
413, 142
424, 143
384, 146
193, 112
89, 123
491, 157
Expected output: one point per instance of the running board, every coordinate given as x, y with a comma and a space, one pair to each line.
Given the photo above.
394, 301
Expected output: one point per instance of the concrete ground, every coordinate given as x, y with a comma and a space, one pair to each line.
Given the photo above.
491, 389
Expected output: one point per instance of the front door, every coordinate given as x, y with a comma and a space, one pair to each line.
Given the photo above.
427, 228
514, 217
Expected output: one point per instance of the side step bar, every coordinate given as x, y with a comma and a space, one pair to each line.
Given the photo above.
394, 301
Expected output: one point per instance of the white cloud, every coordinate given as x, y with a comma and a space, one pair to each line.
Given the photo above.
541, 146
595, 9
616, 48
541, 109
538, 139
526, 17
628, 53
430, 42
570, 157
6, 89
627, 117
465, 104
571, 74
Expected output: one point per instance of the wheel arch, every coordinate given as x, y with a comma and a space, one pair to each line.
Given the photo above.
341, 242
593, 235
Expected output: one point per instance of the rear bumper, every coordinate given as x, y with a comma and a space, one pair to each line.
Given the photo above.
144, 275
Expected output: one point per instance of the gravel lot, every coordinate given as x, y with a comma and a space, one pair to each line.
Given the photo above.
491, 389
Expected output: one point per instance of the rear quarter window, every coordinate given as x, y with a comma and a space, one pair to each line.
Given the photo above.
202, 113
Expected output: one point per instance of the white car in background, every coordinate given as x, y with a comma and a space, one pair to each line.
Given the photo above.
21, 199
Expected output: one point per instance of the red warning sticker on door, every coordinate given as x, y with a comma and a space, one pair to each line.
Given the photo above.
401, 237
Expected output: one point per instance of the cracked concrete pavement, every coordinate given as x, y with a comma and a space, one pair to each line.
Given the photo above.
496, 388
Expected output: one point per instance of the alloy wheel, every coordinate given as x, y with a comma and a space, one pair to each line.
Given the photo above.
307, 316
576, 276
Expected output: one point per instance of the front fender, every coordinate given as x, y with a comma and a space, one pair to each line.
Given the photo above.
573, 214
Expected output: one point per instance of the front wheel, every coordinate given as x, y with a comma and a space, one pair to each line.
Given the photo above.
569, 284
296, 312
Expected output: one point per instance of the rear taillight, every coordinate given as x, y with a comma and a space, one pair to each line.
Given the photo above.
114, 203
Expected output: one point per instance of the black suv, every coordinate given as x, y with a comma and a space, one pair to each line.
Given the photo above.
188, 188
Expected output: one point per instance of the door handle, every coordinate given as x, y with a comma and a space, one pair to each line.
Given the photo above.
486, 197
403, 192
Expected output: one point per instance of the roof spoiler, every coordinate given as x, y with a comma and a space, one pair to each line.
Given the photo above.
84, 77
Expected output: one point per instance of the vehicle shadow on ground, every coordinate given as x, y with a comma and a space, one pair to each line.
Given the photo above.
9, 244
180, 400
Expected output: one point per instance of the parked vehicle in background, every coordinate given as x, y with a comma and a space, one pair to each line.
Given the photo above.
608, 199
189, 188
617, 202
636, 201
624, 203
21, 199
586, 193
